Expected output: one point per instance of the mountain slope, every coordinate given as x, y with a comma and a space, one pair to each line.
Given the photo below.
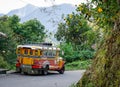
48, 16
1, 14
22, 12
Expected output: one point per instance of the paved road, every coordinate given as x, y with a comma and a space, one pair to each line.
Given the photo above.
53, 79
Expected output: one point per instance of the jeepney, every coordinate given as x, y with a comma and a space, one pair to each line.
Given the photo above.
39, 58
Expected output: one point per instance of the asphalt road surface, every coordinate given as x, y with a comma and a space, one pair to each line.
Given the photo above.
53, 79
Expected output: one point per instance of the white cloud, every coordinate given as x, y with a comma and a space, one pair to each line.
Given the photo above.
51, 2
7, 5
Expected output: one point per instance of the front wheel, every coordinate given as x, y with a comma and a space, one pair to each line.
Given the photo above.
61, 71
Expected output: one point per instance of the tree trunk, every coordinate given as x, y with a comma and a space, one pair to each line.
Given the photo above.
105, 70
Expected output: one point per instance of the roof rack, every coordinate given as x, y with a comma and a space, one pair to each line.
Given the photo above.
47, 44
39, 44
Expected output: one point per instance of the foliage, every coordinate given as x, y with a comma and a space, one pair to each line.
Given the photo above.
86, 54
68, 52
31, 30
78, 36
71, 55
8, 43
17, 33
102, 12
3, 64
72, 29
105, 69
78, 65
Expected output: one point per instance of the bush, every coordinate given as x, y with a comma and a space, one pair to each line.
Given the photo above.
73, 54
77, 65
86, 54
81, 55
3, 64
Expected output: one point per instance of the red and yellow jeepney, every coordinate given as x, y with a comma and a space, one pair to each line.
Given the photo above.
38, 59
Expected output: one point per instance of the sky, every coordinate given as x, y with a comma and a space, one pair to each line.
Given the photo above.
8, 5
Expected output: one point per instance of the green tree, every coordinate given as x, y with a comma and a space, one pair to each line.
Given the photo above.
33, 31
3, 63
7, 43
71, 55
73, 29
75, 32
12, 33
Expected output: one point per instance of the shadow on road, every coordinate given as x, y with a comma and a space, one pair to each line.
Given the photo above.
49, 74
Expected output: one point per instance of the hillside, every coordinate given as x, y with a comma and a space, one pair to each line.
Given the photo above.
48, 16
1, 14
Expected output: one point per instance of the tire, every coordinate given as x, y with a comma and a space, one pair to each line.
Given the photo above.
45, 70
62, 70
25, 73
18, 70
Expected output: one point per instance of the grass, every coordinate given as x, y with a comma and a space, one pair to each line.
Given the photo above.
78, 65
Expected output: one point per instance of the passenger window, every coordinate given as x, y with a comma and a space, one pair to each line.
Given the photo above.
44, 53
31, 52
36, 52
49, 53
25, 51
54, 53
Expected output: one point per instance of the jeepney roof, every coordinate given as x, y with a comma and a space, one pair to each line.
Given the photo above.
42, 47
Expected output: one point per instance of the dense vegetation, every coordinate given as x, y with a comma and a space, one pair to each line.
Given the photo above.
77, 36
79, 65
71, 54
12, 33
105, 70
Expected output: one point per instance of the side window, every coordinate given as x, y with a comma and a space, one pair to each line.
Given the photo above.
49, 53
45, 53
54, 53
31, 52
25, 51
36, 52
